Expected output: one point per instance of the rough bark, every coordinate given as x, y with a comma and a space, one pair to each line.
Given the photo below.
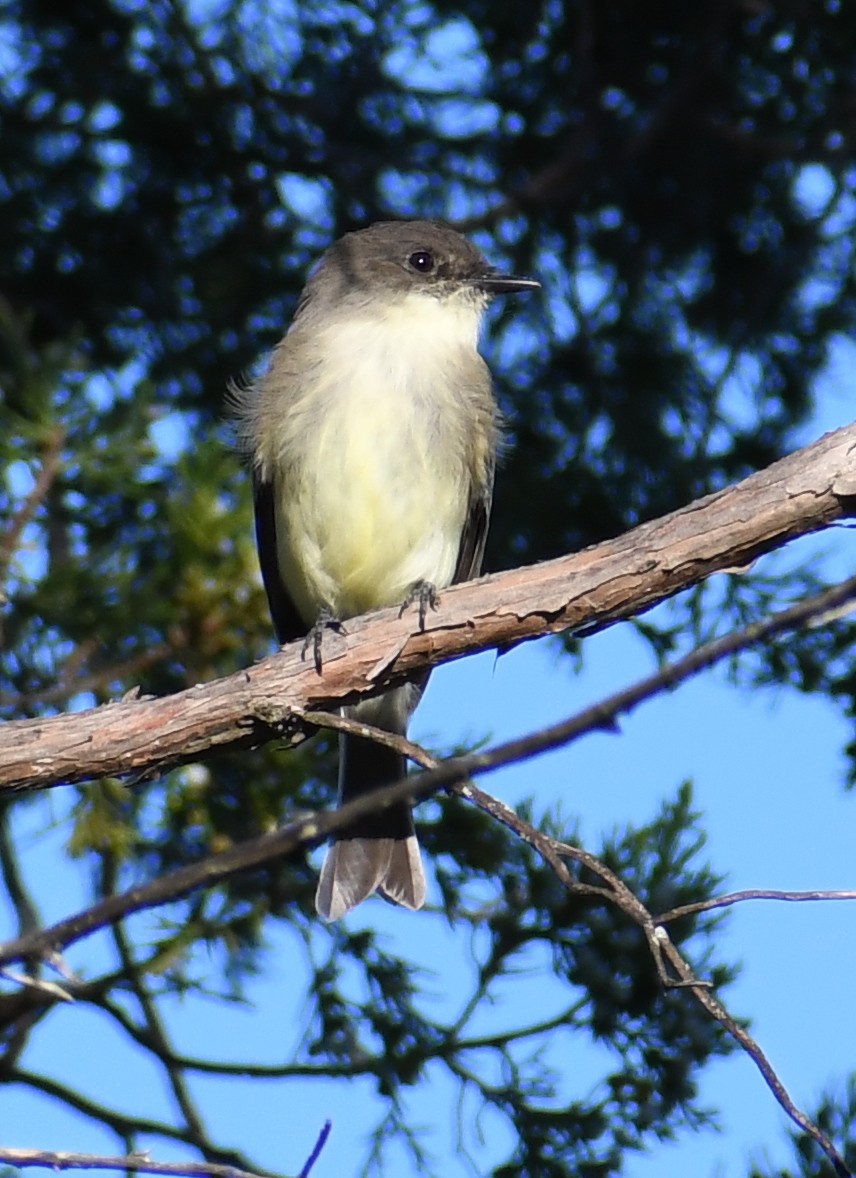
805, 492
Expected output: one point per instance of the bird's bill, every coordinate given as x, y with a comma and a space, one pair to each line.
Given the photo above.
494, 283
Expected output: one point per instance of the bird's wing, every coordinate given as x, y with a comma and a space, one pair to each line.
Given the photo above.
286, 620
474, 535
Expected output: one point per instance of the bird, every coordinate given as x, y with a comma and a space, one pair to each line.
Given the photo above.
373, 435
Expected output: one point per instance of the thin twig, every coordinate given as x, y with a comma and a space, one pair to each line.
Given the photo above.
730, 898
717, 1011
316, 1150
51, 455
157, 1041
139, 1162
662, 949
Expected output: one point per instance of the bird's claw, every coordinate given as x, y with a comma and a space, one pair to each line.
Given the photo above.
425, 593
326, 620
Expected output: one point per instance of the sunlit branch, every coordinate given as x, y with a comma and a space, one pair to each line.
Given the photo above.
809, 490
314, 828
729, 898
141, 1163
454, 773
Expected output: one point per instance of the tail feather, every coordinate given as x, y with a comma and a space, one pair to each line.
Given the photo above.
355, 868
379, 853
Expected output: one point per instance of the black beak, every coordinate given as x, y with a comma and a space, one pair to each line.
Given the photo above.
493, 283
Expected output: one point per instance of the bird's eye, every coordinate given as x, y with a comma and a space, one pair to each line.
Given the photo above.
422, 261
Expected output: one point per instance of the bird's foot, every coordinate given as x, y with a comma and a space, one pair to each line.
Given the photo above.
425, 594
326, 620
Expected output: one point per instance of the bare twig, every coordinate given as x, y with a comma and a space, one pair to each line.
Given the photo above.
51, 456
663, 951
124, 1125
139, 1163
316, 1149
51, 989
730, 898
127, 1125
717, 1011
10, 871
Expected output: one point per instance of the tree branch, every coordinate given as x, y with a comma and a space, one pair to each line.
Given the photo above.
740, 897
671, 966
51, 462
453, 773
133, 1163
141, 1163
663, 951
805, 492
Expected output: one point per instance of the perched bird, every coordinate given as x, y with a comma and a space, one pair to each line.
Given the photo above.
373, 437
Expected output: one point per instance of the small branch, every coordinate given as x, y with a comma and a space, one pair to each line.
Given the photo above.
616, 892
10, 871
133, 1163
751, 894
316, 1150
51, 456
51, 989
155, 1033
703, 995
124, 1125
502, 1039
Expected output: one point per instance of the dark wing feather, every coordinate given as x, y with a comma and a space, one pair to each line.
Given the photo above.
474, 535
286, 620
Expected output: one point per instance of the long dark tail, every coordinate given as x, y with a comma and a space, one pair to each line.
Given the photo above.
380, 852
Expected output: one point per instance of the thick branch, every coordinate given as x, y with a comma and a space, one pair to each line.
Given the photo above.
803, 493
453, 773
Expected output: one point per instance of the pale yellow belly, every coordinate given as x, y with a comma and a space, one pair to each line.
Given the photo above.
377, 503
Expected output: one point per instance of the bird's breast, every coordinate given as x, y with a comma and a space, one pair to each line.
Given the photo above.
377, 480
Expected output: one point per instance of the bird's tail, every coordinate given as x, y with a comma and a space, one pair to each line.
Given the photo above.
379, 853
